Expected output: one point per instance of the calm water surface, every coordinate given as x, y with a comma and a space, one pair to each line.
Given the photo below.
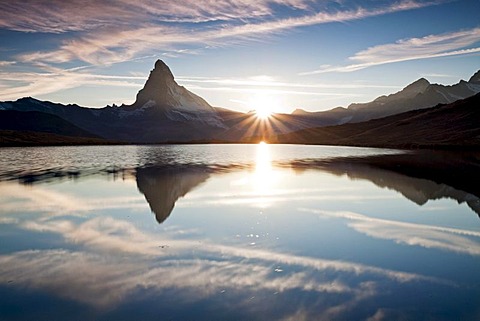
230, 232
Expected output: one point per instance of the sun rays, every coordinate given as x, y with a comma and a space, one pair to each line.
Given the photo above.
264, 105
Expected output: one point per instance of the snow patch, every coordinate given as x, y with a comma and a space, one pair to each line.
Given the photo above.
345, 120
123, 113
207, 118
474, 87
6, 106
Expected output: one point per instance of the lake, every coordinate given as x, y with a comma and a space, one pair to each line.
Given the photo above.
233, 232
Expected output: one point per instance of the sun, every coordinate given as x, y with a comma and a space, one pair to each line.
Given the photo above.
264, 105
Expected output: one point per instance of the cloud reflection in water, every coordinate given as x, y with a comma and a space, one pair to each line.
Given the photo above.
106, 261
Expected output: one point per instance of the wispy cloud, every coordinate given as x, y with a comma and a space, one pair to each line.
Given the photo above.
118, 42
52, 203
117, 257
79, 15
267, 81
432, 46
428, 236
109, 32
52, 80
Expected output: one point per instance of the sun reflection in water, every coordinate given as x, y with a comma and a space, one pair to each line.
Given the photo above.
265, 178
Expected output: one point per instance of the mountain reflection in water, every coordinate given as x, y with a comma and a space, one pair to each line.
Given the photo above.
296, 239
163, 186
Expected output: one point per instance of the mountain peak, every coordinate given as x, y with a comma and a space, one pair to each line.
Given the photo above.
161, 70
418, 86
162, 92
299, 111
157, 86
475, 78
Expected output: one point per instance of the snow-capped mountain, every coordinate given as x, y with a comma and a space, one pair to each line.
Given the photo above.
418, 95
167, 112
163, 111
162, 92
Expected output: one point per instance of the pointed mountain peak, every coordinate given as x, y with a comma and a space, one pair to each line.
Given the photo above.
158, 86
475, 78
299, 111
177, 103
418, 86
161, 70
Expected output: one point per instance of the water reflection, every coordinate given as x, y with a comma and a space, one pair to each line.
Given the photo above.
417, 190
427, 236
265, 177
162, 187
328, 246
117, 260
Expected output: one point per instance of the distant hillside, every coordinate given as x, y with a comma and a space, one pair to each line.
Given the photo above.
35, 121
451, 125
418, 95
12, 138
165, 112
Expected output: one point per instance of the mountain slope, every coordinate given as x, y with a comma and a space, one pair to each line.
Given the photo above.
28, 138
166, 112
35, 121
163, 111
448, 125
418, 95
162, 92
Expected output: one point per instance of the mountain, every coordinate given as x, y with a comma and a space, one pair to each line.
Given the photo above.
35, 121
14, 138
419, 176
19, 128
418, 95
163, 186
450, 125
162, 92
167, 112
163, 111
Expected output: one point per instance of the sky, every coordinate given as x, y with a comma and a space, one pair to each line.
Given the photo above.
236, 54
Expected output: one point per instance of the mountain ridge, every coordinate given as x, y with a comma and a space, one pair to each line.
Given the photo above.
167, 112
442, 126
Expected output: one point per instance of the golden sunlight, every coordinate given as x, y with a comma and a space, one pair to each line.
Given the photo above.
265, 177
264, 105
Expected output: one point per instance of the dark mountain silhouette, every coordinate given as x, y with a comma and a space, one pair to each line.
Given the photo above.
450, 125
163, 111
419, 176
418, 95
35, 121
28, 138
18, 128
163, 186
166, 112
176, 102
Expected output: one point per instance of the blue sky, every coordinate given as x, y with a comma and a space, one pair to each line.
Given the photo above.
307, 54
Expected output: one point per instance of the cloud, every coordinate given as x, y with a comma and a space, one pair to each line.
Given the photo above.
269, 82
79, 15
52, 80
5, 63
117, 42
117, 259
53, 203
109, 235
109, 32
428, 236
432, 46
264, 85
106, 280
